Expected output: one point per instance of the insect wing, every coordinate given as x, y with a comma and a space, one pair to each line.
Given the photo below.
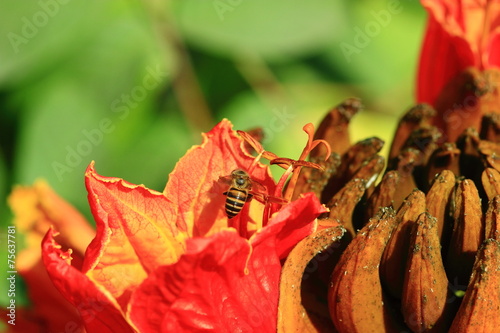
225, 180
258, 187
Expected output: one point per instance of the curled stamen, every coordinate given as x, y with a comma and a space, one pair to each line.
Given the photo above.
257, 146
311, 143
309, 129
326, 144
292, 167
281, 183
251, 141
286, 162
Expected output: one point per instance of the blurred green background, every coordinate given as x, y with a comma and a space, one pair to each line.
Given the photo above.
131, 84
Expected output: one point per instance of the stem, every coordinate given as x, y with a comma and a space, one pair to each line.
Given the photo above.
185, 85
189, 95
261, 79
296, 172
266, 214
279, 187
291, 184
281, 183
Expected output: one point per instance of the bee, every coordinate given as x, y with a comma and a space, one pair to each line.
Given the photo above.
240, 191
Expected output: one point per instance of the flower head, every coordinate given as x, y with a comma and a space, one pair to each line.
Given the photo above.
459, 35
173, 261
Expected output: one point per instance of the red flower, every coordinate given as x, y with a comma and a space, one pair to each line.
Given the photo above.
459, 34
36, 208
459, 61
169, 261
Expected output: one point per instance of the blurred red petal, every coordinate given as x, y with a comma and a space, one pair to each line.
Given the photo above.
51, 310
493, 49
35, 209
98, 310
38, 207
438, 63
459, 34
24, 322
445, 52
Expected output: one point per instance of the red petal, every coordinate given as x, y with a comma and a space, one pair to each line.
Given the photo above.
25, 322
36, 208
193, 186
51, 309
445, 51
98, 310
459, 34
135, 233
219, 285
493, 49
292, 223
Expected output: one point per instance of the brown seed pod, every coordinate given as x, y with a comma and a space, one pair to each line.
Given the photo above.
438, 199
352, 161
491, 153
446, 157
343, 203
416, 117
471, 162
355, 296
315, 180
393, 263
405, 164
425, 292
383, 195
333, 128
491, 182
492, 219
426, 140
480, 308
292, 315
490, 127
468, 232
464, 99
370, 169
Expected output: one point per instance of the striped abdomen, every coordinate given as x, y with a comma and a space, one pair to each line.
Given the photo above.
235, 201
